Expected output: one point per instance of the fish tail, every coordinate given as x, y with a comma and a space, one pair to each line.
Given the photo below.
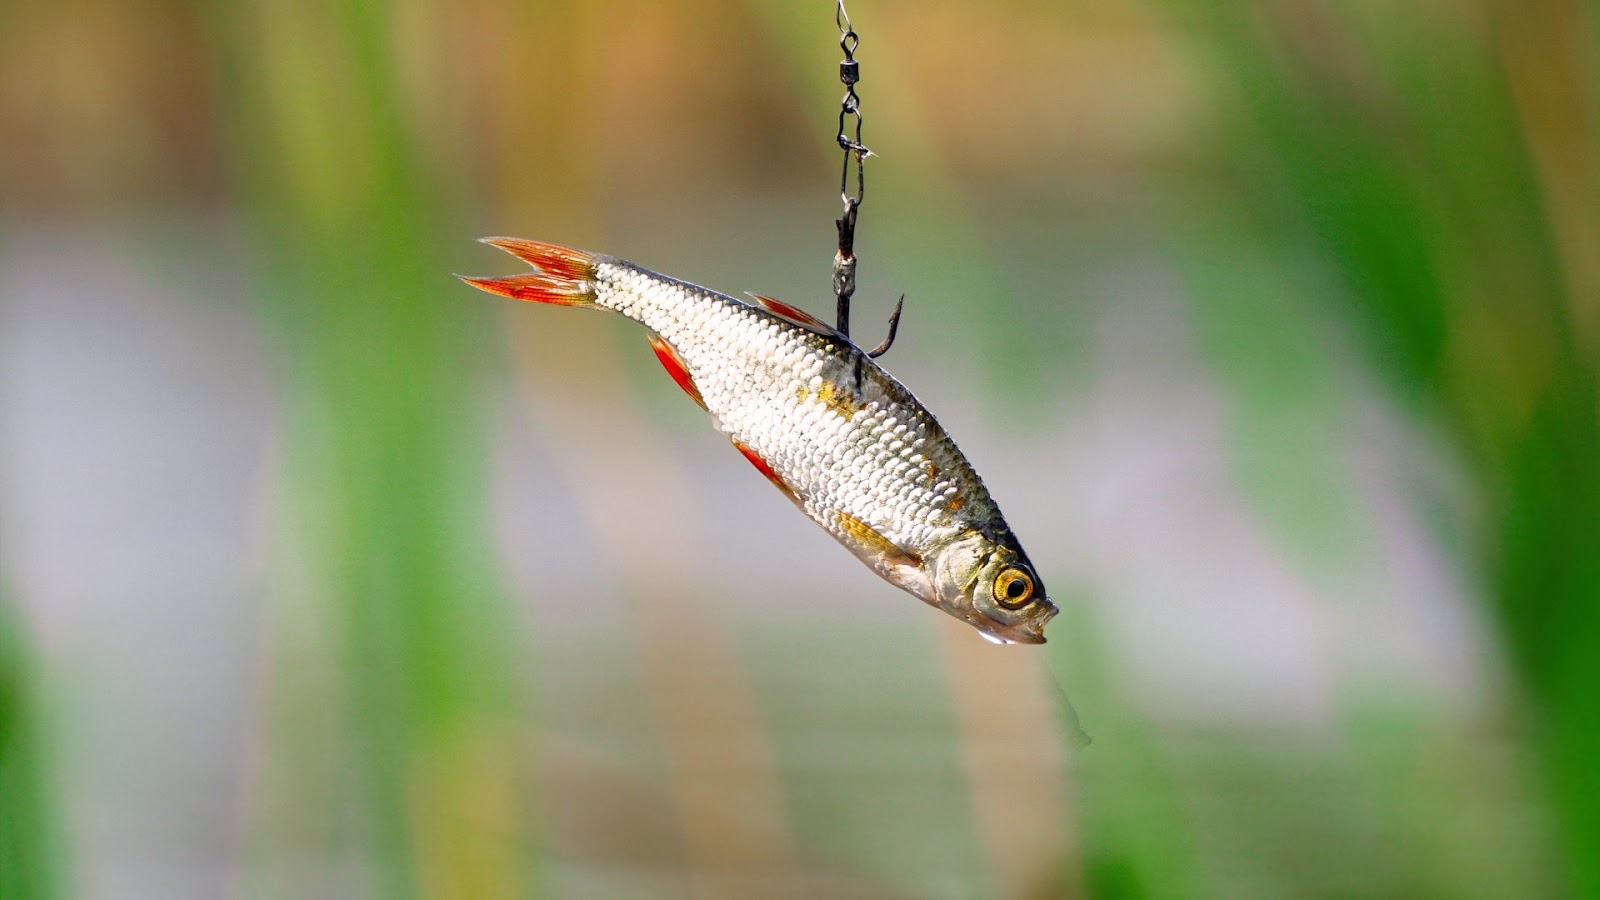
562, 275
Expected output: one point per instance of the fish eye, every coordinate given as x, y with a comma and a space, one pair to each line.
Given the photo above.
1013, 588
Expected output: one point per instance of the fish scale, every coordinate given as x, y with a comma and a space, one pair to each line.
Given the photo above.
850, 445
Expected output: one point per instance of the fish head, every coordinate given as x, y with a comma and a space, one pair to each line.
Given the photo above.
989, 583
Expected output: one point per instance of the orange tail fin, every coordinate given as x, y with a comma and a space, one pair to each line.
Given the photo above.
564, 276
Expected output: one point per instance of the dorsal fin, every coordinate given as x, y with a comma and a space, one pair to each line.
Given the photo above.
795, 315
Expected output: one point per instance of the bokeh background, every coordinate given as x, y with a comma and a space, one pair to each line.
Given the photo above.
1273, 326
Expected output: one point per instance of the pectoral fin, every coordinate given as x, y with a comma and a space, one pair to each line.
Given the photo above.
869, 543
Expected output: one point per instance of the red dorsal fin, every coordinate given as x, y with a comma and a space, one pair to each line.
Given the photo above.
765, 469
675, 367
794, 315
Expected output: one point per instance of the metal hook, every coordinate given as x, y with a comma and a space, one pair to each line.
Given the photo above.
844, 262
894, 328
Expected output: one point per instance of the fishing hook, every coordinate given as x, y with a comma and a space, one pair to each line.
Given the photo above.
844, 262
894, 328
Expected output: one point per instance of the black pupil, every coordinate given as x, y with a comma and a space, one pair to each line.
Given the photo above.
1016, 588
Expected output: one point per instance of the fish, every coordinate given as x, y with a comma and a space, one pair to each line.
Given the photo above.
816, 416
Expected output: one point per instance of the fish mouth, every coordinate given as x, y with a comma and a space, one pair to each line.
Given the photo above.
1034, 635
1011, 636
1030, 631
1022, 633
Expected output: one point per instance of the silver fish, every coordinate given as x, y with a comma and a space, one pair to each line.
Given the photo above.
825, 424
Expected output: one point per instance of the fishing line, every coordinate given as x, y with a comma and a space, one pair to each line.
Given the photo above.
844, 262
1069, 713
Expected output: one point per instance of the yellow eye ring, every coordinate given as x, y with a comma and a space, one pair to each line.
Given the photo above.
1013, 589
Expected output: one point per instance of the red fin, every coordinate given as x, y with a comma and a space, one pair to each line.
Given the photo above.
767, 470
536, 287
675, 368
565, 276
794, 315
560, 261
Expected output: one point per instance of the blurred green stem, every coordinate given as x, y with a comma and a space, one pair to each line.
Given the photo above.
29, 849
385, 482
1413, 147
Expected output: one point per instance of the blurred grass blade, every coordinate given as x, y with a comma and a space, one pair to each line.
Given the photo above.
1412, 144
385, 483
30, 863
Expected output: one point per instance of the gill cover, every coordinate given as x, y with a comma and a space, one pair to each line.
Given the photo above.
992, 587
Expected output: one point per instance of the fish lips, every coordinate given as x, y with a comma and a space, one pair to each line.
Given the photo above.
1027, 631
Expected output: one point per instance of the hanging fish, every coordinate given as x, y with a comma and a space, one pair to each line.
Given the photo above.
829, 428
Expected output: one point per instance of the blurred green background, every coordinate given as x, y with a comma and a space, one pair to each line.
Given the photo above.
1273, 326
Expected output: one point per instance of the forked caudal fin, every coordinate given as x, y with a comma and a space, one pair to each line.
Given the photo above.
563, 276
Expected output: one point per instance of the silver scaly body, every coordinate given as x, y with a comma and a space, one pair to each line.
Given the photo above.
829, 427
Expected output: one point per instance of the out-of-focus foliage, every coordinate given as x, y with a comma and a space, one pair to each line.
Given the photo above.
384, 464
1445, 159
29, 829
1271, 324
